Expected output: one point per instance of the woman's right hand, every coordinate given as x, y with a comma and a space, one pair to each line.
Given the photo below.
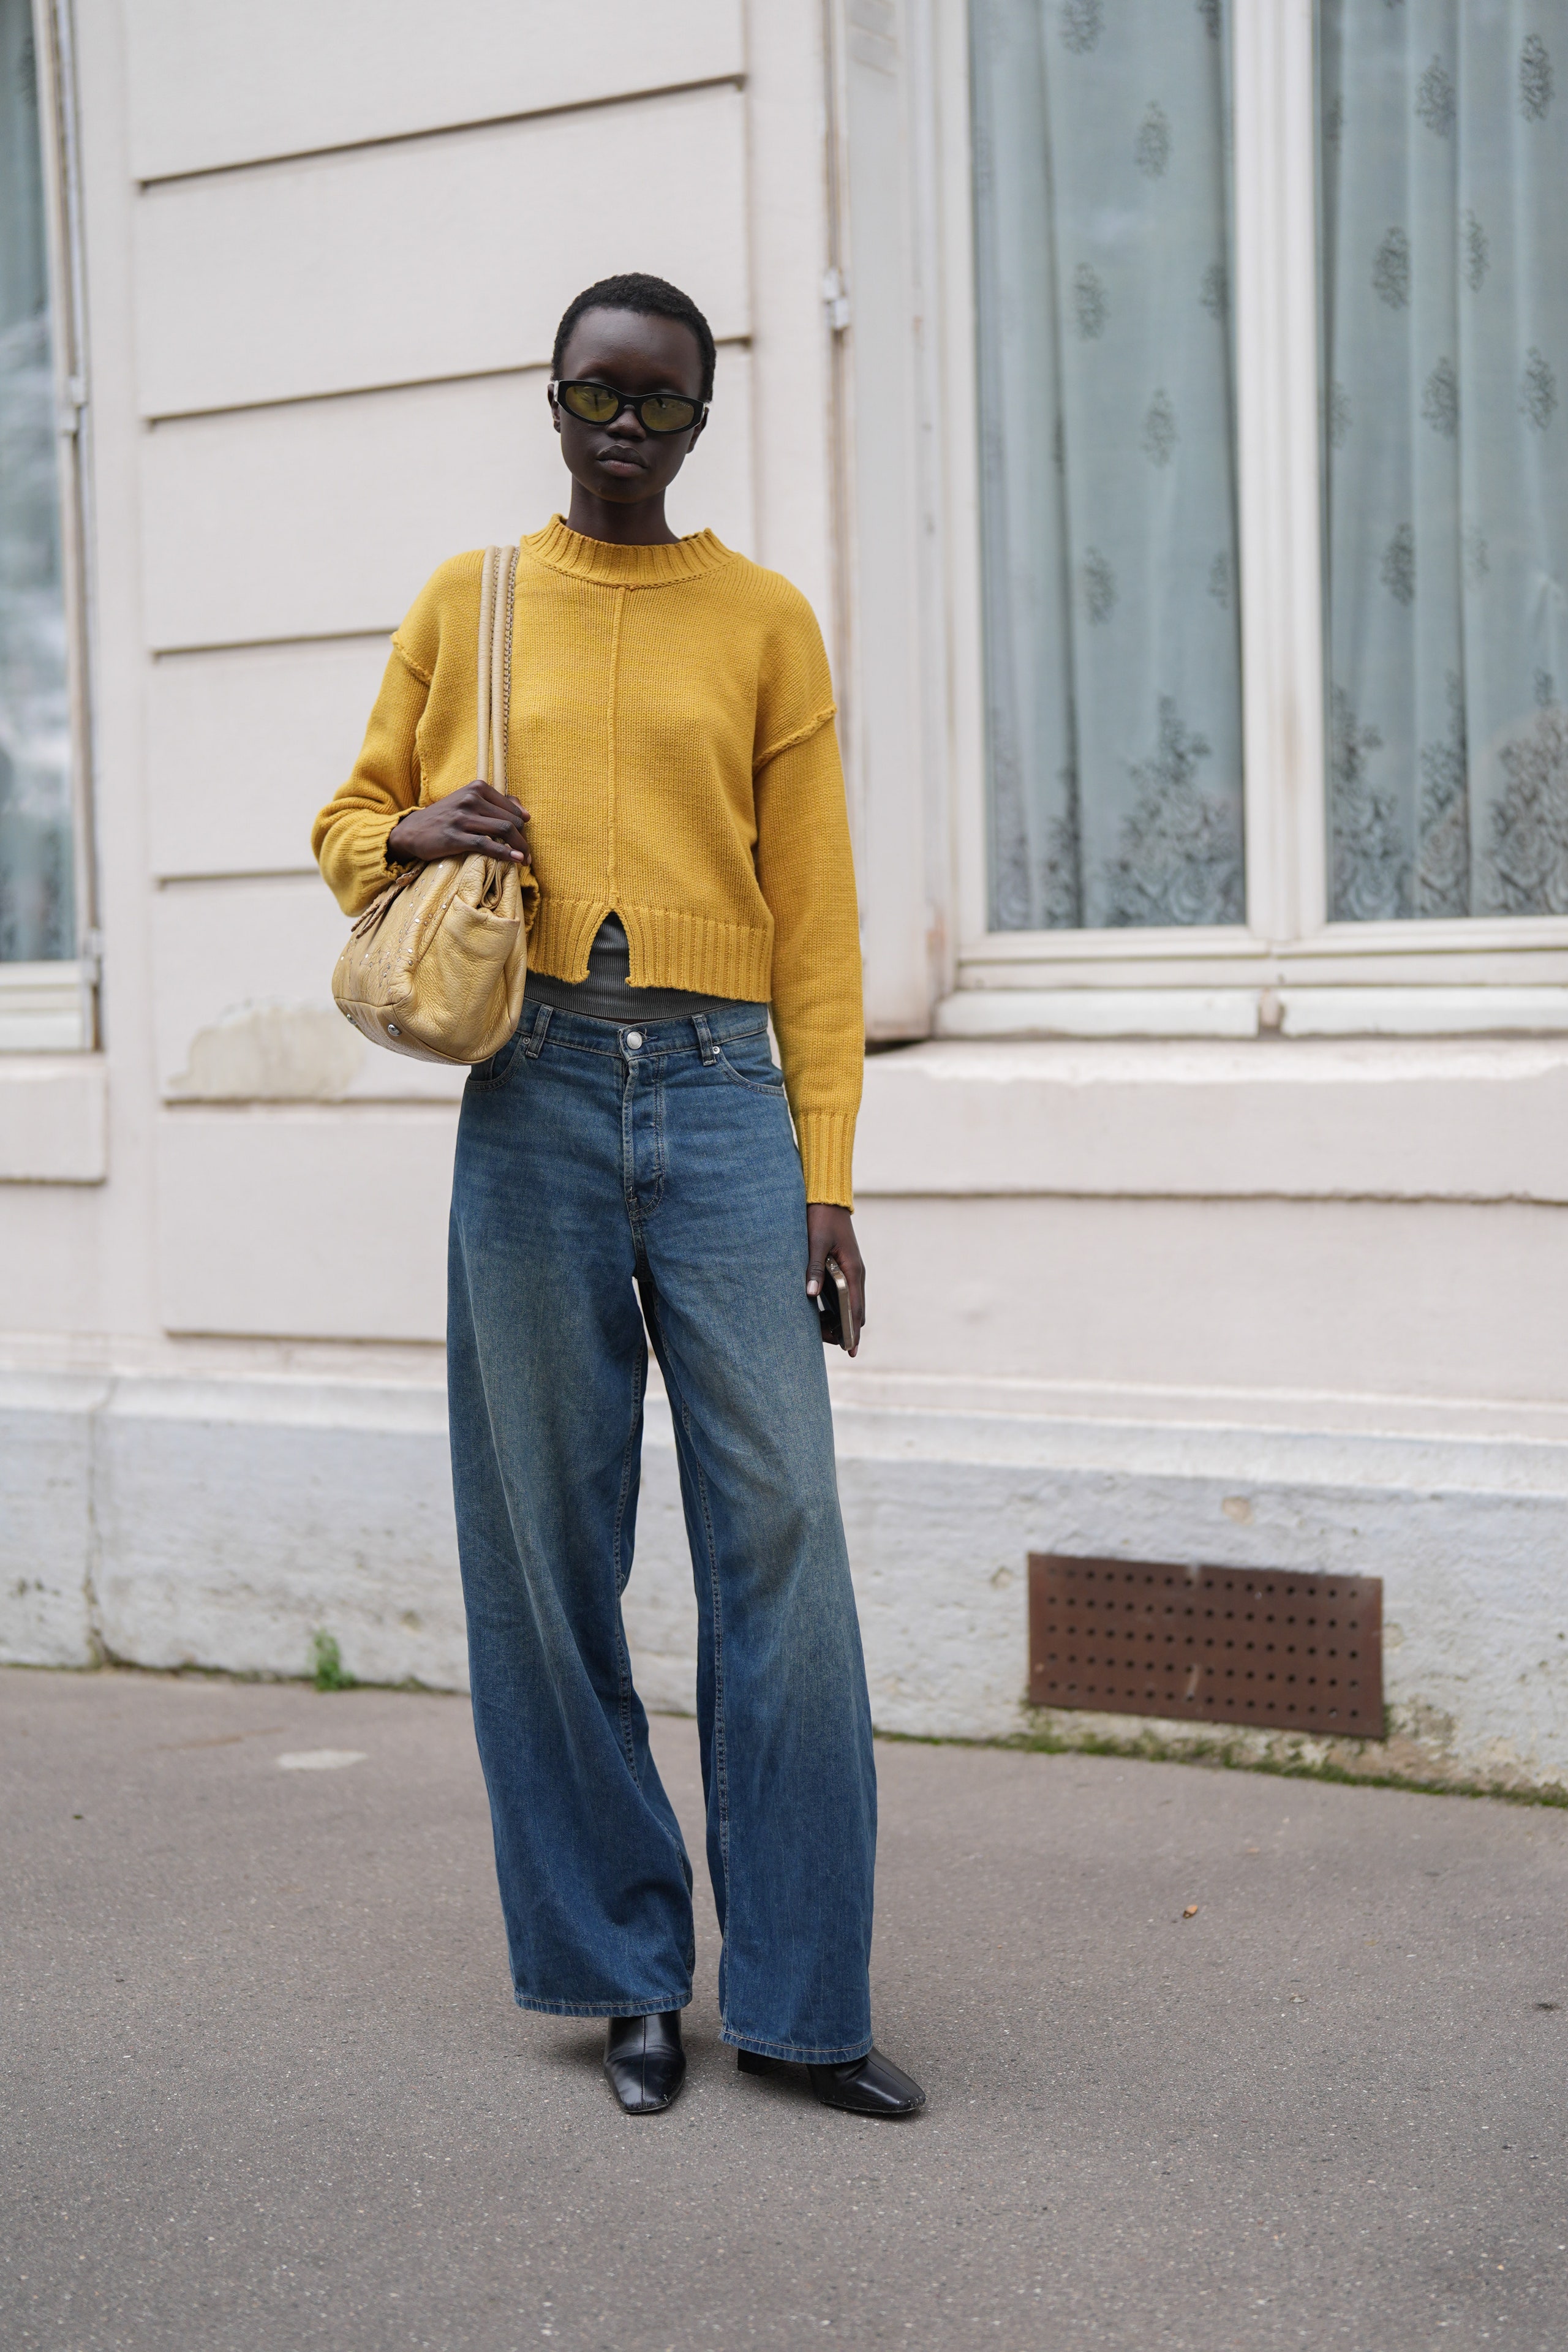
477, 818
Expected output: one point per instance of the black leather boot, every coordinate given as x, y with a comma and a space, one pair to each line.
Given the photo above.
645, 2062
871, 2086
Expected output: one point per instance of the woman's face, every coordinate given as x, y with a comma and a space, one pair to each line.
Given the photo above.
638, 354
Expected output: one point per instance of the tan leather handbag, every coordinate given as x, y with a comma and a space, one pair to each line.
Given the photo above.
436, 967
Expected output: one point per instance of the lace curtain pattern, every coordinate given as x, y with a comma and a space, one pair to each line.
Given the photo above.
36, 911
1113, 675
1444, 136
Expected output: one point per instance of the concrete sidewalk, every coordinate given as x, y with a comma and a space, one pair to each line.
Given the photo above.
264, 2086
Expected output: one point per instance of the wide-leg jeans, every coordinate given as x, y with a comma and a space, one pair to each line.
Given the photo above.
607, 1176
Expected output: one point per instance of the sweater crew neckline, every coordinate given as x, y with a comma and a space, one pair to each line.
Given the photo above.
600, 560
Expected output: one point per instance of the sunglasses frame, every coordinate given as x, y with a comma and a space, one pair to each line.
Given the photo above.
635, 402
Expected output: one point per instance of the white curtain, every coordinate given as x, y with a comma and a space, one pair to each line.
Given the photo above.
1444, 128
35, 912
1113, 680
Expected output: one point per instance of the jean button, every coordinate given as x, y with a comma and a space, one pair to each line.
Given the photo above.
634, 1039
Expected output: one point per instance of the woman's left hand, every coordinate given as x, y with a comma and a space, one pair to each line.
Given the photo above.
830, 1233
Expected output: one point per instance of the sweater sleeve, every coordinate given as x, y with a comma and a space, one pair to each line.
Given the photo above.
806, 870
349, 837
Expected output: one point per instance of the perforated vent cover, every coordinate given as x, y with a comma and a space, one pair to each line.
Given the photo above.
1207, 1644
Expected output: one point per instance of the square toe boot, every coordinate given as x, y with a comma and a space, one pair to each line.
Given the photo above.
871, 2086
645, 2062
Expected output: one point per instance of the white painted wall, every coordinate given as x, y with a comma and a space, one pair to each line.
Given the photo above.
434, 267
206, 93
1277, 1301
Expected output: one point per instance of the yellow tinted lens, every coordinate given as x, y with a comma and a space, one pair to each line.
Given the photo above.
668, 416
591, 401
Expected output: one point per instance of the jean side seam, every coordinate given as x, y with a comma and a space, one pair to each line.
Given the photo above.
721, 1738
484, 1388
623, 1659
720, 1747
721, 1763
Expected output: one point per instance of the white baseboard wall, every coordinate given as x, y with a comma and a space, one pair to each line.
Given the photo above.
218, 1522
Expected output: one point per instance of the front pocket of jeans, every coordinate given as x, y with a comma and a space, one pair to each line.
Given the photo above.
759, 1060
495, 1072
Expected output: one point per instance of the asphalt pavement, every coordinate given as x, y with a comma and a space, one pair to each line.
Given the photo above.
263, 2086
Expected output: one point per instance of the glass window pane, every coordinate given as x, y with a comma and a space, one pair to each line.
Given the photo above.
1108, 488
1444, 145
36, 920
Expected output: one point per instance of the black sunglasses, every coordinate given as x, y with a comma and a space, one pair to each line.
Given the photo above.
655, 412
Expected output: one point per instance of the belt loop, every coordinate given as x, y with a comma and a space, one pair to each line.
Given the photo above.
536, 1034
705, 1037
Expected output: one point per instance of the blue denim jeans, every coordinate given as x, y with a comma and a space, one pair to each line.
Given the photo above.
599, 1165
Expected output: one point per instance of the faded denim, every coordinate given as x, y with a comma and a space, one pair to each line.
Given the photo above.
592, 1169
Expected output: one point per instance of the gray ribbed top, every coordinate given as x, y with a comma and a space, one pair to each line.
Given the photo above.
607, 995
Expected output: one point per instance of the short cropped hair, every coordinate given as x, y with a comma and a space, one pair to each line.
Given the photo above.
649, 298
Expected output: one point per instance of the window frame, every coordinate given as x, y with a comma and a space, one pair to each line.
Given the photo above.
1288, 967
53, 1007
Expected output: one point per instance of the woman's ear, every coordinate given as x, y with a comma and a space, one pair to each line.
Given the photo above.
554, 408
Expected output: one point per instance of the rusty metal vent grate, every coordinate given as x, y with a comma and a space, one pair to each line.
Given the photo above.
1207, 1644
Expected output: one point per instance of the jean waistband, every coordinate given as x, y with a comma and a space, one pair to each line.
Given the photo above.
695, 1032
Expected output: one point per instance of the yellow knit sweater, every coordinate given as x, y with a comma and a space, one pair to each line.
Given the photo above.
672, 735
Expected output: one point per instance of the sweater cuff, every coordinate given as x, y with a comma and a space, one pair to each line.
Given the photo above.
392, 866
827, 1155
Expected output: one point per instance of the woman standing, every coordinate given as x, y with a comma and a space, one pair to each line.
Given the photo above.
671, 726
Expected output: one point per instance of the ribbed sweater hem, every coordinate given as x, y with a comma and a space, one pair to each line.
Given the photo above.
826, 1140
669, 949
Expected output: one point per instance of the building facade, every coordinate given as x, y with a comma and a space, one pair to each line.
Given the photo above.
1161, 405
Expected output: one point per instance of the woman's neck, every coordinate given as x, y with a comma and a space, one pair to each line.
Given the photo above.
638, 523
